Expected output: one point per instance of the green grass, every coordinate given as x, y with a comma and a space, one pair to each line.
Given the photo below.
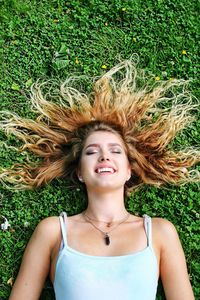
54, 39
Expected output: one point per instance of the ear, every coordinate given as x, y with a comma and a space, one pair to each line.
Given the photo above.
128, 173
79, 175
80, 178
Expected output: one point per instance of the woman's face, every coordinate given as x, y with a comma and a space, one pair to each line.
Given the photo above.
104, 165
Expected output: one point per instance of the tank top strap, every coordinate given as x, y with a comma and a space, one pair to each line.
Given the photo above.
148, 229
63, 225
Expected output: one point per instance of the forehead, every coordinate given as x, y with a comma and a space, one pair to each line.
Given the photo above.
104, 137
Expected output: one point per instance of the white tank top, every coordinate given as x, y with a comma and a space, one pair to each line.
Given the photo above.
79, 276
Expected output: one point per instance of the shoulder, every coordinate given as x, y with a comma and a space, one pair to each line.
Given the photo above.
48, 225
164, 233
48, 230
163, 226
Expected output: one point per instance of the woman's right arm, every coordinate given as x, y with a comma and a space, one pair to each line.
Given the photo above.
36, 262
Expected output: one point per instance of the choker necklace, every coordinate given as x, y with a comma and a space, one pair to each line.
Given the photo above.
105, 234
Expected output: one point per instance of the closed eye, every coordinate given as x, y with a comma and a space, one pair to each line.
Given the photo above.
90, 152
96, 150
117, 151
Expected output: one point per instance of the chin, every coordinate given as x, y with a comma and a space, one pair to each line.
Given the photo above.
106, 187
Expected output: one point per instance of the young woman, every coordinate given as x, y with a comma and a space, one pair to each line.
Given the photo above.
111, 141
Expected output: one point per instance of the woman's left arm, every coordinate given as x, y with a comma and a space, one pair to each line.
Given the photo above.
173, 269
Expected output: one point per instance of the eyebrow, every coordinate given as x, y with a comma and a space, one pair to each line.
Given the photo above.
109, 144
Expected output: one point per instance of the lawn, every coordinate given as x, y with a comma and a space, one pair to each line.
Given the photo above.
56, 39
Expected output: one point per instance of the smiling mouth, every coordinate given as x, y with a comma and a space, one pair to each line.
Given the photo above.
105, 170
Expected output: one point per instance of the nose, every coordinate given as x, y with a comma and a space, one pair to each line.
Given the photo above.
103, 157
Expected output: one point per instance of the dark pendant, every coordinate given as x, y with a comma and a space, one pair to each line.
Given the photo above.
108, 224
107, 239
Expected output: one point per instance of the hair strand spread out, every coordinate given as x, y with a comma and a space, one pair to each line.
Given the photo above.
147, 117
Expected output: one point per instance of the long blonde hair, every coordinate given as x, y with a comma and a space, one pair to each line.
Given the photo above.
147, 116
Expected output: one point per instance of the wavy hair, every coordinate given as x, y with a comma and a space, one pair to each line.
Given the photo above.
147, 115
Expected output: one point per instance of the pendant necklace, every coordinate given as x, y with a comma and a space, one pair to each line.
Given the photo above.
106, 233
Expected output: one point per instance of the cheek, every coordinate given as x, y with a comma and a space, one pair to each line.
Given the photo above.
86, 164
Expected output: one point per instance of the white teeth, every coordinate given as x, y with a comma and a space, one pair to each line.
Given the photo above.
101, 170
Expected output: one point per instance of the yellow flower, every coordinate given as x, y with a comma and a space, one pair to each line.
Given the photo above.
184, 52
55, 20
134, 40
77, 61
157, 78
124, 9
104, 67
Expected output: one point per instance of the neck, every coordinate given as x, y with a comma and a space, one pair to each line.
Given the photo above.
107, 207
